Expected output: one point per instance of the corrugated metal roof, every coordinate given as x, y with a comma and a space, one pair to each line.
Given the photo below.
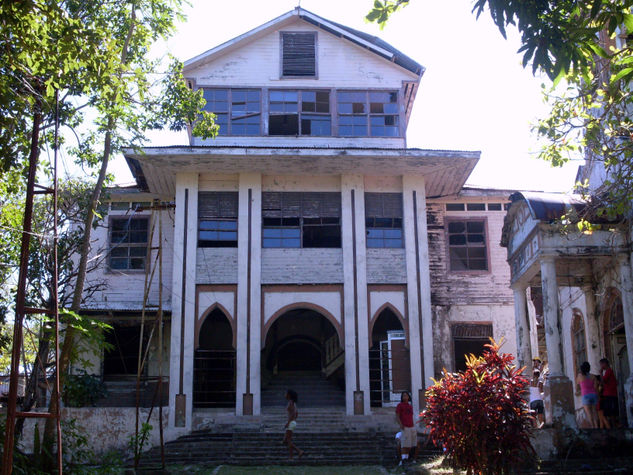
549, 206
399, 58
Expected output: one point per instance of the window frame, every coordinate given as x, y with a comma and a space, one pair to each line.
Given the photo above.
281, 54
231, 219
369, 114
368, 217
465, 219
299, 112
229, 100
111, 246
301, 222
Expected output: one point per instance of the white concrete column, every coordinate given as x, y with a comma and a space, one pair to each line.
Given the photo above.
247, 380
626, 290
533, 328
356, 317
558, 389
255, 185
551, 314
524, 350
419, 310
183, 301
592, 329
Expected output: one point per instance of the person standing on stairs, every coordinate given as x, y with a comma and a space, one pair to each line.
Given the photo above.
409, 438
291, 397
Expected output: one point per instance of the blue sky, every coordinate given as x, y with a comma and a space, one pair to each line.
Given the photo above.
474, 95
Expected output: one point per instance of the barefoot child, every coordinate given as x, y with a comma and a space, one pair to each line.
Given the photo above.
291, 397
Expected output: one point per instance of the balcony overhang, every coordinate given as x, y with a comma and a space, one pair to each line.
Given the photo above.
445, 171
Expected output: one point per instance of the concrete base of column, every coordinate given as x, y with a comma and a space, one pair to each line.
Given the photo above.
558, 395
628, 400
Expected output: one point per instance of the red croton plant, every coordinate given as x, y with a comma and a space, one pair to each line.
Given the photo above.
479, 415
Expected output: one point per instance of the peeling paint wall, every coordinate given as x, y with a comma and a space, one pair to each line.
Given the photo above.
469, 297
501, 317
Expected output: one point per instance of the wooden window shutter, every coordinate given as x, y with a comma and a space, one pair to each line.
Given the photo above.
301, 205
298, 54
383, 205
471, 330
217, 204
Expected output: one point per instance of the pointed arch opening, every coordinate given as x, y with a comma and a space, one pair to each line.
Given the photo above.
389, 364
214, 361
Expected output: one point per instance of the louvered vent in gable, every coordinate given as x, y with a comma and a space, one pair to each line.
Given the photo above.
298, 52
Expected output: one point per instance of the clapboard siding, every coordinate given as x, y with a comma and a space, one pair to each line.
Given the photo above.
216, 265
302, 266
386, 266
123, 290
453, 288
340, 63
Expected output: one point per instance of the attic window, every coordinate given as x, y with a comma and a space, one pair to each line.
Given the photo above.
298, 54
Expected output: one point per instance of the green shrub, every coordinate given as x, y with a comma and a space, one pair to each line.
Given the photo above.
82, 390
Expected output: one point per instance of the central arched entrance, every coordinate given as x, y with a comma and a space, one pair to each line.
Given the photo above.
302, 351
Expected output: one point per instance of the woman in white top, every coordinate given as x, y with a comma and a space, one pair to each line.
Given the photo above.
536, 399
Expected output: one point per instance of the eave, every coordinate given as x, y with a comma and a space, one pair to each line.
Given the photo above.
445, 171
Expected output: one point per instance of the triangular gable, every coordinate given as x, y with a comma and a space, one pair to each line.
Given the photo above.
364, 40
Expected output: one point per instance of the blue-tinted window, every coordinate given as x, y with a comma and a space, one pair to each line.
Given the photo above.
128, 243
358, 109
299, 113
238, 111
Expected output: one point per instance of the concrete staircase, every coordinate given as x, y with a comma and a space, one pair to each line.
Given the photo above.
328, 436
313, 389
266, 448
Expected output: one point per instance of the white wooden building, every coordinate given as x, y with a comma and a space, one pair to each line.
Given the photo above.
308, 246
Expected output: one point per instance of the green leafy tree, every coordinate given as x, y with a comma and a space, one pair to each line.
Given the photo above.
584, 47
94, 56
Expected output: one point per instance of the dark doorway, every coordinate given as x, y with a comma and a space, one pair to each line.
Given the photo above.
122, 358
467, 347
299, 355
469, 338
389, 365
214, 363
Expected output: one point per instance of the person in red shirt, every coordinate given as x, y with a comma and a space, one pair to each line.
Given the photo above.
409, 438
609, 399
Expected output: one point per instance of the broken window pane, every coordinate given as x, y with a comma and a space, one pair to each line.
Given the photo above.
217, 219
383, 220
467, 245
297, 219
128, 242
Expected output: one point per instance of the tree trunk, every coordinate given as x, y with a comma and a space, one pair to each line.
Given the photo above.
30, 392
69, 334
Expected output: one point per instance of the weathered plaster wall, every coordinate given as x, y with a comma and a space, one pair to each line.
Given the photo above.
464, 288
302, 266
502, 319
106, 428
216, 265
